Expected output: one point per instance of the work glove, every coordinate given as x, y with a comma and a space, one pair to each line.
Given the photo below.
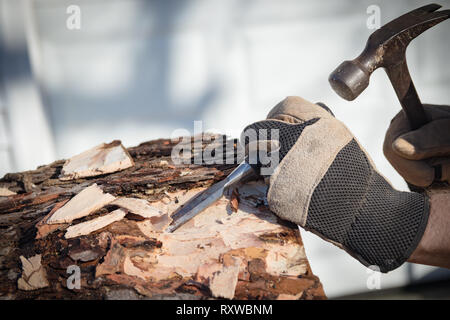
420, 156
326, 183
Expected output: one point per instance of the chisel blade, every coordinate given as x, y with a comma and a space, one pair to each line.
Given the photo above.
206, 198
196, 205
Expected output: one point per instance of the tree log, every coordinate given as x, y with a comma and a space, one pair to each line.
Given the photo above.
235, 249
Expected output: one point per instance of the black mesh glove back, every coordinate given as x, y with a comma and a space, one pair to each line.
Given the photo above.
326, 183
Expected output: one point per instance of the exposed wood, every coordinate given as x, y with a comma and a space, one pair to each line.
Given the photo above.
235, 249
223, 282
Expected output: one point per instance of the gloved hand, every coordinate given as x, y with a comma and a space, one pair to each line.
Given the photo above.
422, 155
326, 183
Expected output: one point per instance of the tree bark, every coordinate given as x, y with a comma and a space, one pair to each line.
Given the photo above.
235, 249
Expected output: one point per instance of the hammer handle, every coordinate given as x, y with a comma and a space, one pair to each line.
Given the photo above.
407, 94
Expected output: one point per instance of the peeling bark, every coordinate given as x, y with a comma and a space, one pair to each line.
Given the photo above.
104, 158
235, 249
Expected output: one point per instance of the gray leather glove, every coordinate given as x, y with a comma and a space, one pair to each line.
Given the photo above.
420, 156
326, 183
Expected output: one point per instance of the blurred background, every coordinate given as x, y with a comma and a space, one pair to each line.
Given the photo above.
74, 74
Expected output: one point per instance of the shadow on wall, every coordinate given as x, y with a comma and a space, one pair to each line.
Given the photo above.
14, 67
160, 91
145, 98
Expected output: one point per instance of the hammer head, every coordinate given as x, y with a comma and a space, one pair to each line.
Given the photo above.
385, 48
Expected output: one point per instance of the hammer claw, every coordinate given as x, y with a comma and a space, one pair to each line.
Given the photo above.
428, 8
423, 14
442, 13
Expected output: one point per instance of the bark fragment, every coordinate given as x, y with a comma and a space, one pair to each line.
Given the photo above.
84, 203
104, 158
234, 201
43, 229
87, 227
33, 274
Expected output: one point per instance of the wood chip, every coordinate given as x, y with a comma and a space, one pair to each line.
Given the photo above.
234, 201
33, 274
90, 226
5, 192
104, 158
87, 201
138, 206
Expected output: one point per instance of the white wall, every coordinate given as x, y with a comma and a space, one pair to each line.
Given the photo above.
25, 137
137, 70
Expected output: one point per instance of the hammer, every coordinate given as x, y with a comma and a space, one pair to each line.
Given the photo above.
386, 48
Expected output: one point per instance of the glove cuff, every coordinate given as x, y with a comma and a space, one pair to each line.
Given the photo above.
389, 226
